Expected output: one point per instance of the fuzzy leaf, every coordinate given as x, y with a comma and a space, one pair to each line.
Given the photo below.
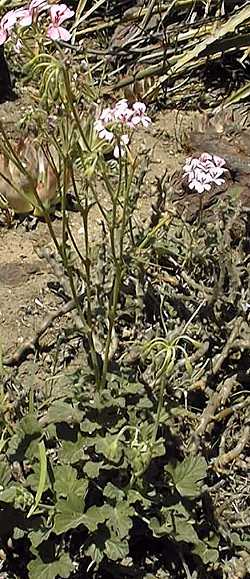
244, 543
97, 515
63, 412
113, 492
8, 495
95, 549
110, 447
188, 474
89, 427
205, 552
71, 452
67, 483
29, 425
184, 531
69, 516
177, 523
28, 428
33, 478
136, 497
120, 520
59, 568
159, 530
38, 536
92, 468
5, 473
116, 549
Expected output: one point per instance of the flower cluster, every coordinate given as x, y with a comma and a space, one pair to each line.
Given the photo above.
28, 15
118, 118
205, 171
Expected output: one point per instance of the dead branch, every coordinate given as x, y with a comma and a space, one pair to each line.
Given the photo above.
30, 344
223, 459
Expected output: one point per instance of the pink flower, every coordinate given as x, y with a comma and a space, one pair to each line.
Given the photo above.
6, 24
120, 150
59, 13
27, 16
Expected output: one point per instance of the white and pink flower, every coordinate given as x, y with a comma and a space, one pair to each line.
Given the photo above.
203, 172
139, 115
112, 121
58, 14
120, 148
7, 22
27, 16
102, 131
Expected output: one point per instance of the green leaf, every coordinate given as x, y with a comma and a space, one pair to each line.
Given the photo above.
116, 549
67, 483
95, 549
18, 534
8, 495
63, 412
159, 530
110, 447
28, 428
92, 469
5, 473
89, 427
120, 520
32, 480
97, 515
69, 516
42, 478
29, 425
113, 492
134, 497
188, 474
239, 542
71, 452
184, 530
59, 568
177, 523
18, 495
206, 554
39, 536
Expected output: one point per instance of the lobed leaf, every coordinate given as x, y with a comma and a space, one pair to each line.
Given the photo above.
188, 475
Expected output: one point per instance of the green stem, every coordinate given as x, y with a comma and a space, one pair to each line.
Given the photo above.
118, 263
87, 263
111, 321
73, 108
158, 414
